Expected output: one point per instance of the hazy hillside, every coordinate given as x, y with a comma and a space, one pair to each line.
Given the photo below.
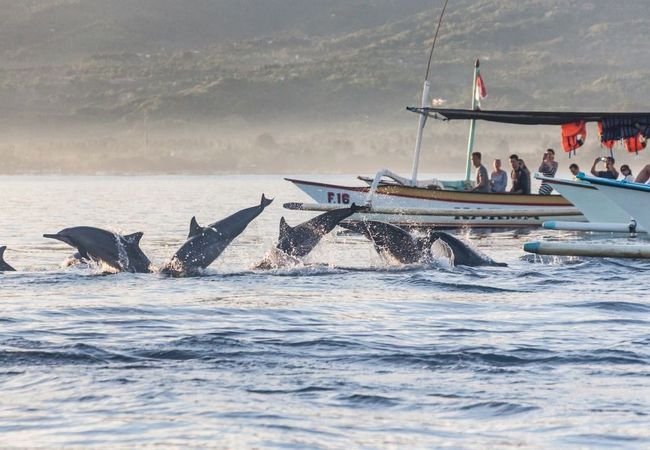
54, 31
223, 64
536, 53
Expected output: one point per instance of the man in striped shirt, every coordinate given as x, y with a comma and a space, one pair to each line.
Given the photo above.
548, 169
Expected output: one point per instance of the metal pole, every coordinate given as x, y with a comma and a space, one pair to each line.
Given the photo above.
418, 140
472, 128
425, 101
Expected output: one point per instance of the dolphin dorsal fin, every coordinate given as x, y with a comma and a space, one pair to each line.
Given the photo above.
2, 250
195, 228
284, 227
134, 238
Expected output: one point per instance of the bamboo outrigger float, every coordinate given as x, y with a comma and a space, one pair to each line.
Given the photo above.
590, 250
598, 227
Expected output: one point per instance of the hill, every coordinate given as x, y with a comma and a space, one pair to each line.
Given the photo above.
536, 54
118, 66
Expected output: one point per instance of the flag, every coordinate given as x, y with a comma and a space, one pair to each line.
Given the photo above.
481, 91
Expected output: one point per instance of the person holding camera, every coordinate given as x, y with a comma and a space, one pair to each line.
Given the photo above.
548, 168
610, 171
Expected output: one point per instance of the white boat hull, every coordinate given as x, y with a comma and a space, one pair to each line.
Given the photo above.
634, 202
595, 206
402, 197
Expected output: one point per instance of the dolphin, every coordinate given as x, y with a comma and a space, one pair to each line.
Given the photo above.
394, 242
297, 242
205, 244
120, 252
397, 243
463, 254
300, 240
4, 267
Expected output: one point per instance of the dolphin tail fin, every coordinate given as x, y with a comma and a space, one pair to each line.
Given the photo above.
265, 201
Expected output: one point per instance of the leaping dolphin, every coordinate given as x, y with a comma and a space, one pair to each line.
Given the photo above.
205, 244
297, 242
397, 243
4, 267
122, 253
394, 242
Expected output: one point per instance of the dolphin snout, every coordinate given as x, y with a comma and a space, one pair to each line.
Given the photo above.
59, 237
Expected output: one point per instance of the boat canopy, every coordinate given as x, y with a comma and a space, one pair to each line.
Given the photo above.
631, 128
532, 117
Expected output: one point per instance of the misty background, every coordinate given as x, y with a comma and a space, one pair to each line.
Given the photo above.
288, 86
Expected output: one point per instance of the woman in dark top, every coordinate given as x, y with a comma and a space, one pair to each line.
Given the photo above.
524, 177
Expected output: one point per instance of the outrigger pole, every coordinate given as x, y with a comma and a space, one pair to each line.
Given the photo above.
472, 128
424, 104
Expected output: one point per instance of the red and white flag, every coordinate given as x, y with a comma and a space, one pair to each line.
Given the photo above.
481, 91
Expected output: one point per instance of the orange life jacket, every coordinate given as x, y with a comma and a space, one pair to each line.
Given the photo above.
608, 144
574, 135
635, 144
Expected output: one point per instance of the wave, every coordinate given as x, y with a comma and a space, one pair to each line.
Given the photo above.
614, 306
72, 354
497, 409
447, 286
304, 390
367, 400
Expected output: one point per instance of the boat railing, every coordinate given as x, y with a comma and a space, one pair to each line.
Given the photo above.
432, 183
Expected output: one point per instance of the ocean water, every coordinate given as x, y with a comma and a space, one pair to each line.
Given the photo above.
343, 352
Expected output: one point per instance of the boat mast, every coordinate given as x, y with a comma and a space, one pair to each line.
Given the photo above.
472, 128
424, 104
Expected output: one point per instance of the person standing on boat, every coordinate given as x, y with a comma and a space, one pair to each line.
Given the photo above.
610, 171
482, 180
520, 176
548, 168
524, 177
498, 178
514, 173
575, 170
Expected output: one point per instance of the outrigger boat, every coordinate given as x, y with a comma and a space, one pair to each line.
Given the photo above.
392, 198
440, 203
398, 197
495, 210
